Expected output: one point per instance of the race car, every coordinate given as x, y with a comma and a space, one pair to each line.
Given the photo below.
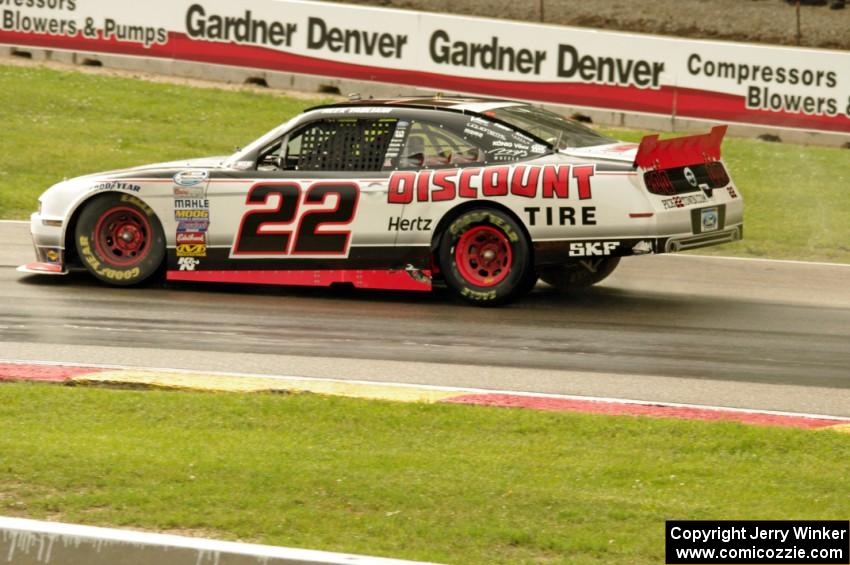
482, 196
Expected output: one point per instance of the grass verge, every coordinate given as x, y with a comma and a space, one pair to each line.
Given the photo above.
444, 483
60, 124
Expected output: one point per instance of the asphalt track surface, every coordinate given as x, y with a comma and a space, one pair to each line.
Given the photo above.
751, 334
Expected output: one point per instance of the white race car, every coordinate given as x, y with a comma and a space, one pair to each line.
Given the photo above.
485, 196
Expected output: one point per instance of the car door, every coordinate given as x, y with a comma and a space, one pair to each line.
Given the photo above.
315, 199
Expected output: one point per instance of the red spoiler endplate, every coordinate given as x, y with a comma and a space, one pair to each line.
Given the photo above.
653, 153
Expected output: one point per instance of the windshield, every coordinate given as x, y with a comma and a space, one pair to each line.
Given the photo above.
553, 128
249, 151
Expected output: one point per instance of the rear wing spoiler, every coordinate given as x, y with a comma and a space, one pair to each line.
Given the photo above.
680, 151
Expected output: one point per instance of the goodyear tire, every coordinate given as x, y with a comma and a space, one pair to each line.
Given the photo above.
579, 274
485, 257
119, 239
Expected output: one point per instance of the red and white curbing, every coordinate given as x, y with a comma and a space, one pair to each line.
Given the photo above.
16, 370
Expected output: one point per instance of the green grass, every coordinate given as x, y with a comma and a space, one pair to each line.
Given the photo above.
433, 482
64, 124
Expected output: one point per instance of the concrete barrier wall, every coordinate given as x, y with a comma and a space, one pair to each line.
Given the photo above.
633, 80
31, 542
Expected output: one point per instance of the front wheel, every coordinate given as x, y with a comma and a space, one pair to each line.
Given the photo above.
119, 239
579, 273
485, 257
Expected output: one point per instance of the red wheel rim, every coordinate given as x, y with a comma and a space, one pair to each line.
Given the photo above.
122, 236
483, 256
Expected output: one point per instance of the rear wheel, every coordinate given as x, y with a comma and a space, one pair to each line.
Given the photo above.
485, 257
119, 239
580, 273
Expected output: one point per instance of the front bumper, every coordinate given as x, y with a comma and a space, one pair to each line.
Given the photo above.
49, 247
41, 268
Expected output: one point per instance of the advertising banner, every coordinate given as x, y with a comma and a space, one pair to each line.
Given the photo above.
721, 81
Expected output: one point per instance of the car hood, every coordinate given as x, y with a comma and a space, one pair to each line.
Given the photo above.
169, 166
202, 163
66, 192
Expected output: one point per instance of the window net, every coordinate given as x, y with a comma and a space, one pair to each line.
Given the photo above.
345, 145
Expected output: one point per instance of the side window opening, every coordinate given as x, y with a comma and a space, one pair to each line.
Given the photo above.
429, 146
345, 144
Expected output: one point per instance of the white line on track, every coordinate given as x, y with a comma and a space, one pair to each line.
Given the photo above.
461, 390
79, 544
758, 260
14, 222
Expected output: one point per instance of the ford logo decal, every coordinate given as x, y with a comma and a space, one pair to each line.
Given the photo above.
190, 178
690, 177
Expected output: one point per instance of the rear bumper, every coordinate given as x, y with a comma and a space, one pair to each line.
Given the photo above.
685, 243
559, 252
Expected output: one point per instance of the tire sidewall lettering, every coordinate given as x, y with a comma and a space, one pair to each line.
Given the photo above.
87, 253
467, 221
130, 199
478, 295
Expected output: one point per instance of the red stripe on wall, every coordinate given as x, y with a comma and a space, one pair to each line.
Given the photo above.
689, 103
628, 409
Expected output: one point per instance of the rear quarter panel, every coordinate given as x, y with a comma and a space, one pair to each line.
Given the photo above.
594, 202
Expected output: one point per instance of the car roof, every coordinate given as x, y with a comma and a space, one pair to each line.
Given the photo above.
450, 104
437, 102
